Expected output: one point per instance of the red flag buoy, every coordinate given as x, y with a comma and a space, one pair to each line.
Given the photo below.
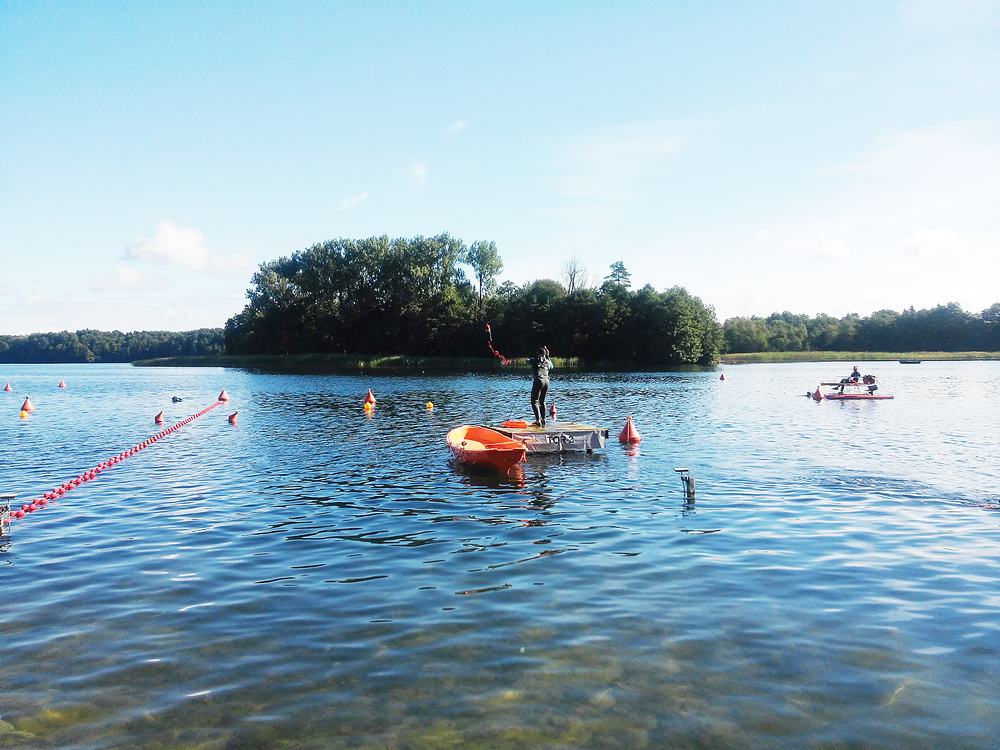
27, 405
722, 376
370, 398
817, 396
629, 434
159, 418
232, 418
223, 396
8, 388
62, 383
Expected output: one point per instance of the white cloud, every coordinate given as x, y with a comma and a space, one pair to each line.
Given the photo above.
173, 245
352, 202
183, 247
121, 278
939, 242
418, 173
459, 125
616, 164
914, 219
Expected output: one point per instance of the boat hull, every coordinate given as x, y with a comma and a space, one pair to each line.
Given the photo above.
485, 448
856, 397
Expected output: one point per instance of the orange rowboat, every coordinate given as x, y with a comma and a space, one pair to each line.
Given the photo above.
481, 446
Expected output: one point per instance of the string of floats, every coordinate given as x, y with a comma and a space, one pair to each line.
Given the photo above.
92, 473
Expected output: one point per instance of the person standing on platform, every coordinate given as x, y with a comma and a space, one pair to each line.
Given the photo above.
541, 364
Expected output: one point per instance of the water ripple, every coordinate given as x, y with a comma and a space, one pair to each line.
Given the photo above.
319, 577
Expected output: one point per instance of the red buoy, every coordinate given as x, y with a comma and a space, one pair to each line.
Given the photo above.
722, 376
27, 405
817, 396
370, 398
223, 396
629, 434
62, 383
8, 388
159, 417
232, 417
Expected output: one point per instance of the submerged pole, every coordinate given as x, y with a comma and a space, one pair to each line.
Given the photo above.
689, 484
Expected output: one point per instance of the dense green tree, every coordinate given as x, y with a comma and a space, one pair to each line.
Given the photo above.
410, 296
109, 346
942, 328
486, 266
619, 275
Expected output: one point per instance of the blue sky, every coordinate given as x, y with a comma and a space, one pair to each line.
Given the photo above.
819, 157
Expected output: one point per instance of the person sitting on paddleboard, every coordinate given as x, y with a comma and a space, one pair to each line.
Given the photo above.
541, 365
855, 374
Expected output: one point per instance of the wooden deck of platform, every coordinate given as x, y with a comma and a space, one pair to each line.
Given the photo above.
558, 437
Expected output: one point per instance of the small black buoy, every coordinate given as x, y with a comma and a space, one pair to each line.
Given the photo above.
176, 399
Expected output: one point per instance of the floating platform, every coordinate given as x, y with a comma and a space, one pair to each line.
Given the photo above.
558, 437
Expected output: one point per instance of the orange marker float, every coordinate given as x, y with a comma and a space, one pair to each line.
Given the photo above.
159, 418
370, 398
62, 383
629, 434
223, 396
232, 418
27, 405
8, 388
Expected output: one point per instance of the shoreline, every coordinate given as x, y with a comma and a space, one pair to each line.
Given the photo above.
814, 356
399, 363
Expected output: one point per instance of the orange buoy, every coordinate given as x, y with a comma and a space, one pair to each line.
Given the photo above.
722, 376
223, 396
8, 388
370, 398
159, 418
27, 405
817, 396
629, 434
62, 383
232, 417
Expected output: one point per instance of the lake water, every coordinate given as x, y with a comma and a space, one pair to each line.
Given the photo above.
318, 578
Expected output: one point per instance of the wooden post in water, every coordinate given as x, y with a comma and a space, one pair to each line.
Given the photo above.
689, 484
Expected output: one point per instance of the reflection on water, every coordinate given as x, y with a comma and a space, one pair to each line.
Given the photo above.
319, 577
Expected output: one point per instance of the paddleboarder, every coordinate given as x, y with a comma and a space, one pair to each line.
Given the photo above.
540, 364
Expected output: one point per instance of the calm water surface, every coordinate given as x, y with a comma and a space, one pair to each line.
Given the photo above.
317, 578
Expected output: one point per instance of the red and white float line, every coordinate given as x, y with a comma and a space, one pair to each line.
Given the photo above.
103, 466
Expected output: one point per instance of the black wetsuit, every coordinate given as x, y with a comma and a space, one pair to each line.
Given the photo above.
540, 386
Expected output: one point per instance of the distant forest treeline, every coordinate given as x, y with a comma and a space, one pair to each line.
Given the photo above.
945, 328
109, 346
412, 296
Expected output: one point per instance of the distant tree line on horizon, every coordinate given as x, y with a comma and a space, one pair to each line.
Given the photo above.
412, 296
945, 328
108, 346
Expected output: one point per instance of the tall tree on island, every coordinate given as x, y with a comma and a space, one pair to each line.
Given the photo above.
486, 266
619, 275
